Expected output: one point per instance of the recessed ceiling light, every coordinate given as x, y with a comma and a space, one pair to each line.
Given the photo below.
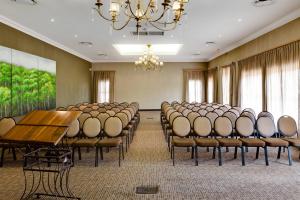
52, 20
89, 44
220, 35
92, 19
75, 36
139, 49
172, 36
240, 20
196, 54
124, 36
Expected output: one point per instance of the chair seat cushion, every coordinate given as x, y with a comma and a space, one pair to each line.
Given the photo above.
229, 142
252, 142
183, 142
206, 142
293, 141
86, 142
109, 142
70, 141
275, 142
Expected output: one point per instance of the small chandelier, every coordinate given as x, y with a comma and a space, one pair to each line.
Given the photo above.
149, 61
143, 13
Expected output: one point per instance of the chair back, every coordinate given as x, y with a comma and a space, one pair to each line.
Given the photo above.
173, 116
287, 126
128, 113
82, 118
209, 108
212, 116
168, 114
224, 108
113, 126
186, 112
202, 112
110, 112
73, 129
123, 117
244, 126
265, 114
94, 113
250, 110
265, 126
192, 116
232, 116
202, 126
236, 112
181, 126
102, 117
195, 109
6, 124
223, 126
61, 109
219, 111
70, 107
91, 127
249, 115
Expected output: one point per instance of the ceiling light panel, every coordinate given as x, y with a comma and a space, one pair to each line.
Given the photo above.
139, 49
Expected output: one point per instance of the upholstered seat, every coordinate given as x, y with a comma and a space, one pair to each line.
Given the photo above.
229, 142
86, 142
252, 142
275, 142
293, 141
183, 142
110, 142
206, 142
70, 141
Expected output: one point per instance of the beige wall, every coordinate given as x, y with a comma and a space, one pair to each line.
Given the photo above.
148, 88
283, 35
72, 73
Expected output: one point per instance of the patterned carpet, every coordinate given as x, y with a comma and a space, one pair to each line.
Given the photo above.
148, 163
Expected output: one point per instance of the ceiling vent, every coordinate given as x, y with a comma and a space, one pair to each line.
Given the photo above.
261, 3
86, 44
26, 1
210, 43
148, 33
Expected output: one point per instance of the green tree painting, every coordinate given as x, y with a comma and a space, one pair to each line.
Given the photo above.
26, 85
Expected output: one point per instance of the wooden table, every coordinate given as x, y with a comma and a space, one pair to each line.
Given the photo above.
42, 127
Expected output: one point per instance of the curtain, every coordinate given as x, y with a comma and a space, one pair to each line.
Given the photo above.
251, 83
225, 83
103, 86
235, 92
282, 67
194, 85
212, 85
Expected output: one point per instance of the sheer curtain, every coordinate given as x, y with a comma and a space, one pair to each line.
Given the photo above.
194, 85
225, 74
103, 86
212, 85
282, 67
251, 83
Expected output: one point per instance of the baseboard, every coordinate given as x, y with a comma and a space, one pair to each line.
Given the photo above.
149, 109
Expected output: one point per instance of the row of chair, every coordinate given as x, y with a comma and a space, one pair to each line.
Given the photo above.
197, 131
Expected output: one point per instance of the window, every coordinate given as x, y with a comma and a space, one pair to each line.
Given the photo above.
210, 89
226, 85
195, 91
251, 86
103, 91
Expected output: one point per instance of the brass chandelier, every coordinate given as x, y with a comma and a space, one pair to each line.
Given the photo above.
143, 11
149, 61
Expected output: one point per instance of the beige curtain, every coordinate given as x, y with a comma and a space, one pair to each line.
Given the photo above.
282, 68
194, 85
212, 85
225, 84
235, 92
103, 86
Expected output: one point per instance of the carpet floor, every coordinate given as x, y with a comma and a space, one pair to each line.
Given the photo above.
148, 163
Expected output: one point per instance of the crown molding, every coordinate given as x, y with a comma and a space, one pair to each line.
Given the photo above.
41, 37
286, 19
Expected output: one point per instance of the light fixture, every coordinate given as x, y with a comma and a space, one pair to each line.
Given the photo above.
139, 49
261, 3
143, 13
149, 61
52, 20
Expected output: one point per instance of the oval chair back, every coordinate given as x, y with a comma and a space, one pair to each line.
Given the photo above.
110, 112
73, 129
116, 110
82, 118
209, 109
6, 124
192, 116
202, 126
61, 109
250, 110
223, 126
181, 126
91, 127
168, 114
265, 126
249, 115
212, 116
202, 112
219, 111
265, 114
186, 112
123, 117
94, 113
113, 126
102, 117
129, 116
287, 126
224, 108
232, 116
244, 126
236, 112
173, 116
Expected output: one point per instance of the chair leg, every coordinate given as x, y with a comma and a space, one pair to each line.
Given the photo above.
196, 156
214, 153
122, 151
73, 155
2, 157
119, 156
96, 156
79, 153
279, 152
257, 152
266, 156
207, 149
220, 156
243, 156
235, 152
192, 156
173, 156
289, 155
227, 149
246, 149
101, 153
14, 153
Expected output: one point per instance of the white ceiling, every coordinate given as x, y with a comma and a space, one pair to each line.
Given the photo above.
206, 20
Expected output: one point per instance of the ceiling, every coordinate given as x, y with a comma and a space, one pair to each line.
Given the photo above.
74, 21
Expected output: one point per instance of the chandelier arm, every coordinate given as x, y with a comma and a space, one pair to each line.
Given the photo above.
99, 12
161, 29
168, 23
130, 9
126, 23
161, 16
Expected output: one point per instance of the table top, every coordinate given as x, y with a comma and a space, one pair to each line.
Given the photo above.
50, 118
42, 127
